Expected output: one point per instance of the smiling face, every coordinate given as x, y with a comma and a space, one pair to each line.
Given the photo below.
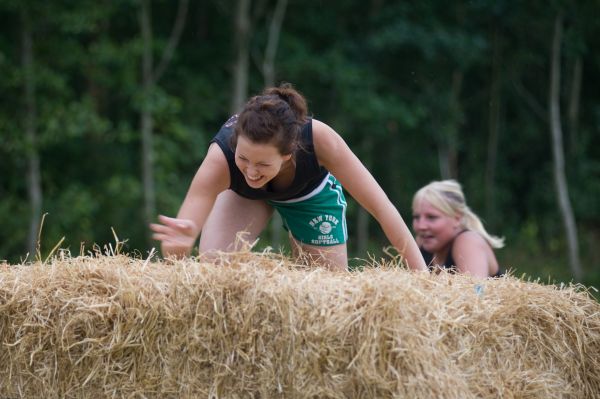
434, 229
259, 163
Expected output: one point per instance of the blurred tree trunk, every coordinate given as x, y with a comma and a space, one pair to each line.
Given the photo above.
494, 129
268, 69
558, 152
242, 27
362, 216
34, 184
447, 149
146, 119
150, 77
273, 42
574, 104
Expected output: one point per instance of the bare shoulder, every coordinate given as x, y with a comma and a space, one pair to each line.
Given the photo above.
322, 132
328, 143
215, 157
473, 255
213, 173
469, 239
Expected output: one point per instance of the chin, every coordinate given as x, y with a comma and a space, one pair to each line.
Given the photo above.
255, 184
429, 247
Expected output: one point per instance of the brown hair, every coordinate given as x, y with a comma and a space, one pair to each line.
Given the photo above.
275, 117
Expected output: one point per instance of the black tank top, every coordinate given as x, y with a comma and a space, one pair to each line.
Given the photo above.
308, 175
449, 263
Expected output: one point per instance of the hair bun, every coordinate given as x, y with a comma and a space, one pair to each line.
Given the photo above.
286, 92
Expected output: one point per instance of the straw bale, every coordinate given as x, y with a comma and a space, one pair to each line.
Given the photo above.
260, 326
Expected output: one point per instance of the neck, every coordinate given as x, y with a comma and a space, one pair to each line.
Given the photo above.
440, 256
285, 177
287, 166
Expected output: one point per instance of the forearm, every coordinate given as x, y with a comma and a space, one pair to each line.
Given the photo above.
178, 235
414, 258
401, 238
190, 220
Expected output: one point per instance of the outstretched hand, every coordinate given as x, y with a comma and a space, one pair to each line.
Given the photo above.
176, 235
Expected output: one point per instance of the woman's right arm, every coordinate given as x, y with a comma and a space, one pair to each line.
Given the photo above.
333, 153
178, 235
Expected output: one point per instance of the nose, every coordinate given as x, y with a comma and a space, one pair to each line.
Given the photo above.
251, 170
418, 223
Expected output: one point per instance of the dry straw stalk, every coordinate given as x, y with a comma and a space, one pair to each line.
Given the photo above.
261, 326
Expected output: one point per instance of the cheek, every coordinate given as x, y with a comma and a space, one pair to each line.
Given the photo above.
447, 229
437, 227
417, 224
240, 165
272, 170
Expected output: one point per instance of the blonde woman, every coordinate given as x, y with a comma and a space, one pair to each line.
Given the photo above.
450, 235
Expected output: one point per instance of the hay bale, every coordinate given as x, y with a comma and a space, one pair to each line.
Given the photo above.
261, 326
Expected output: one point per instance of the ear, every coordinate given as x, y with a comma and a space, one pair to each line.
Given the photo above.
458, 220
287, 157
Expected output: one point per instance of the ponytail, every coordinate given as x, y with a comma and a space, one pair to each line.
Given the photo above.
292, 97
471, 221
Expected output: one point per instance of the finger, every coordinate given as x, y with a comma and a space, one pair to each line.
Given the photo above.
179, 224
157, 228
165, 230
167, 239
161, 237
169, 221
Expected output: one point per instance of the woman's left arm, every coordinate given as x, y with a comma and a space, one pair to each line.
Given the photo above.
335, 155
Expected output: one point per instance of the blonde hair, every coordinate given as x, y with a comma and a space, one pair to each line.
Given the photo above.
447, 196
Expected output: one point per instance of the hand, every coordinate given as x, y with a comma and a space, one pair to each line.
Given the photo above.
177, 236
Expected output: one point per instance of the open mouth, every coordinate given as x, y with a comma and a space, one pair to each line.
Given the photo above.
427, 237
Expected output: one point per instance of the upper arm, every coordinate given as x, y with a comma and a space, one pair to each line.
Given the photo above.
335, 155
471, 254
211, 179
